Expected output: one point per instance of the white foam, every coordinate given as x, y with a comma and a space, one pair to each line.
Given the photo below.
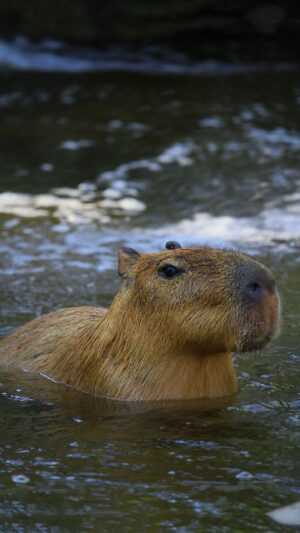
123, 170
288, 515
70, 208
270, 226
131, 204
211, 122
53, 56
178, 153
112, 194
66, 192
278, 228
76, 145
276, 136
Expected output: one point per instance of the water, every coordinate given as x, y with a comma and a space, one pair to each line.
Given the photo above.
97, 160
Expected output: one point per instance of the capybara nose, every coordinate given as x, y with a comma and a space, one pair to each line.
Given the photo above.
254, 291
255, 283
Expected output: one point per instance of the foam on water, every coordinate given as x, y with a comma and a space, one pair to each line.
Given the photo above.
70, 209
54, 56
76, 145
179, 153
270, 226
288, 515
273, 226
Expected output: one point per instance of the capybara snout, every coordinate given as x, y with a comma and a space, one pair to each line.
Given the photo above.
254, 282
259, 309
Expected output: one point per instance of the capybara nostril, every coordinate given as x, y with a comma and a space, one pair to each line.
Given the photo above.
254, 282
254, 290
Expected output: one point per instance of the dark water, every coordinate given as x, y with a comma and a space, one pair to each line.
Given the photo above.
96, 160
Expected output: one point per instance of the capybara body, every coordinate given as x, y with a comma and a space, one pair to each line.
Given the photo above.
169, 333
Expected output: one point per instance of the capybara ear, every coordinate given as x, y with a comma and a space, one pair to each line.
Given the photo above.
127, 257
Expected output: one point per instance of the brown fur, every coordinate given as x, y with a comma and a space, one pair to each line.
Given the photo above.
161, 338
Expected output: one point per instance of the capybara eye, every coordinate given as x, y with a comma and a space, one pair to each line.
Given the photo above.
170, 271
172, 245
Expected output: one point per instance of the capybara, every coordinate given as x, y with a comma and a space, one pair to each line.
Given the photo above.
168, 334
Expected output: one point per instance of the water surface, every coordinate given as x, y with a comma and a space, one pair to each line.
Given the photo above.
93, 161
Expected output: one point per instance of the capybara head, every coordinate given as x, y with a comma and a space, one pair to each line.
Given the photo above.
211, 299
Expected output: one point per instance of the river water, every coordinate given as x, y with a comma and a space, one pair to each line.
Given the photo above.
94, 160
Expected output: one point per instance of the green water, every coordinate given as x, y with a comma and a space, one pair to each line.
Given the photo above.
226, 156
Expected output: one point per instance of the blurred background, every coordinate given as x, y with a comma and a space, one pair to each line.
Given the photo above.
135, 123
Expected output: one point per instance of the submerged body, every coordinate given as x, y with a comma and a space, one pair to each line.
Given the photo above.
169, 333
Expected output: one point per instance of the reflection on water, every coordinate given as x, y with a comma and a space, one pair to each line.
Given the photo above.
109, 159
